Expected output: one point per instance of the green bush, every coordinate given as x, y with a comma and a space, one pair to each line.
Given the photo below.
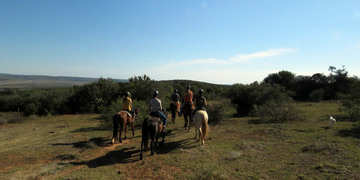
30, 109
277, 112
246, 97
351, 102
317, 95
351, 107
216, 113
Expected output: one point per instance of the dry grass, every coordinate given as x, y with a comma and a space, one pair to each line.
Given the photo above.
74, 147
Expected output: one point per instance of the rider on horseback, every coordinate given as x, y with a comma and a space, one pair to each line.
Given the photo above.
127, 103
188, 101
156, 108
200, 101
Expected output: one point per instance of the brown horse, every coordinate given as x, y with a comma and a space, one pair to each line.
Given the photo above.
152, 128
122, 118
175, 110
187, 110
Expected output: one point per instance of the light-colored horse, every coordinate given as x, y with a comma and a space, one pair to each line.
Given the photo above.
122, 118
201, 125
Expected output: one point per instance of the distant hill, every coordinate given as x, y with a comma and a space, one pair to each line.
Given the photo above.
40, 81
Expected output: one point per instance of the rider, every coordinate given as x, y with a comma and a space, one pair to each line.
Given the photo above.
156, 108
175, 104
200, 101
127, 103
188, 101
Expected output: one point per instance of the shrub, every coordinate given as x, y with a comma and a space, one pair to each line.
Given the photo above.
246, 97
216, 113
351, 107
277, 112
317, 95
351, 102
31, 109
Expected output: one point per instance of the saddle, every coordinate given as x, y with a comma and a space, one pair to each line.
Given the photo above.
154, 119
129, 114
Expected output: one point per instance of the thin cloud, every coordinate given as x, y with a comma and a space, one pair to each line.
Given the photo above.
261, 54
240, 58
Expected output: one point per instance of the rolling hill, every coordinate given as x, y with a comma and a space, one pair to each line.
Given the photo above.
41, 81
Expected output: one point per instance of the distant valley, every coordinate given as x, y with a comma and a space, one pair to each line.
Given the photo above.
42, 81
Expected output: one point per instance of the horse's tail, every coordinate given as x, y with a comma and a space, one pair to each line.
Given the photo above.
205, 126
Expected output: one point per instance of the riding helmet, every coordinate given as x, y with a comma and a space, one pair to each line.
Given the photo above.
156, 92
201, 91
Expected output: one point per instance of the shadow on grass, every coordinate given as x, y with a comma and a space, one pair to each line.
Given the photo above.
125, 155
258, 121
92, 143
353, 132
171, 146
90, 129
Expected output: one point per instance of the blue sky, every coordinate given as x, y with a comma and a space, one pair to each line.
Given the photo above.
227, 41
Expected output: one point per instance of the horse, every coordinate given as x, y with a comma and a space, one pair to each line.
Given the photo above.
174, 109
123, 118
201, 125
151, 128
187, 110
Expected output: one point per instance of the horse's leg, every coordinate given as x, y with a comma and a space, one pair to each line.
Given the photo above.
185, 121
141, 148
152, 145
132, 128
200, 135
125, 128
157, 138
121, 129
115, 130
188, 121
195, 129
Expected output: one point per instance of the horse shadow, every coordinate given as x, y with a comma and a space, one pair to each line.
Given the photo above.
90, 129
352, 132
92, 143
125, 155
168, 147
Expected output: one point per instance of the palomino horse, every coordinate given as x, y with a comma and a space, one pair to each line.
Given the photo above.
151, 128
187, 110
201, 125
122, 118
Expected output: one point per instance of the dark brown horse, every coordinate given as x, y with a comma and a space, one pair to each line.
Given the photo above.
187, 110
122, 118
152, 128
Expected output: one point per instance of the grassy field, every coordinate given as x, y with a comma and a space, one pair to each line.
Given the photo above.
74, 147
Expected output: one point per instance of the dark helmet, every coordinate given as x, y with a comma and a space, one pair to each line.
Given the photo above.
156, 93
201, 91
176, 91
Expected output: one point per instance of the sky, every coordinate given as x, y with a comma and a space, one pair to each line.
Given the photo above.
217, 41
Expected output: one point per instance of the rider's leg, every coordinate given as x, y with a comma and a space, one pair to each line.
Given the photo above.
163, 117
